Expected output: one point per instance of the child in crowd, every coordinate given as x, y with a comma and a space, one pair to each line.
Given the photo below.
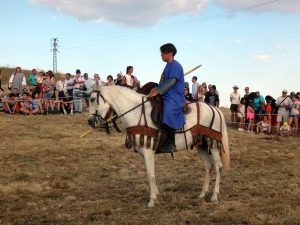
35, 104
2, 96
25, 103
10, 104
67, 103
250, 116
241, 114
285, 129
263, 126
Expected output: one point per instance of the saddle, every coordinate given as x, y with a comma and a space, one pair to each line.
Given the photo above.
157, 104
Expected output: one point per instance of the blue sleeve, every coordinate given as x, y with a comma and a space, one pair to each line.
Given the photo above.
176, 71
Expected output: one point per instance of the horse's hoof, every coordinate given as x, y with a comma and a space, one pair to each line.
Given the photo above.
202, 195
151, 204
214, 199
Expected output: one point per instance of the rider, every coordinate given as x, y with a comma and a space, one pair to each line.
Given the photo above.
171, 88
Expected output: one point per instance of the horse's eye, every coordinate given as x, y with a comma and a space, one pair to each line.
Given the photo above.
92, 99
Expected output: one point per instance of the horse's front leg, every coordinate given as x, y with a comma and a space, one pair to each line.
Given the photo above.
149, 158
116, 127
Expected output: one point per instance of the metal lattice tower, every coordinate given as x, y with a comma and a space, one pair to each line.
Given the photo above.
54, 51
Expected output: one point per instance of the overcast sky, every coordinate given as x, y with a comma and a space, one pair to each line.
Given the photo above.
246, 42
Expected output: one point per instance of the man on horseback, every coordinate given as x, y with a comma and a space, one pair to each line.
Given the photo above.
171, 88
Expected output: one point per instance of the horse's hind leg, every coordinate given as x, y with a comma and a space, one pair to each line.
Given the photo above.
208, 167
150, 164
218, 168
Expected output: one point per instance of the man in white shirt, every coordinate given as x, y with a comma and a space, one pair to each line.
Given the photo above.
88, 84
77, 92
195, 86
235, 98
283, 102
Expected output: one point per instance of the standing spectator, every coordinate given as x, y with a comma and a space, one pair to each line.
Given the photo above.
211, 97
257, 103
195, 86
283, 102
77, 92
201, 93
247, 100
17, 80
0, 78
61, 88
39, 81
241, 114
216, 91
110, 80
69, 82
97, 82
129, 77
88, 84
188, 96
32, 79
48, 91
118, 80
235, 98
250, 116
294, 115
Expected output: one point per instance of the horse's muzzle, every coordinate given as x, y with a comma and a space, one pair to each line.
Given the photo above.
92, 121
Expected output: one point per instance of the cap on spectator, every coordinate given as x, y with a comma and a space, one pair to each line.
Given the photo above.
78, 71
235, 87
284, 90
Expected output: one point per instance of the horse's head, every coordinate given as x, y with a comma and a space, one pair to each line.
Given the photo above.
98, 109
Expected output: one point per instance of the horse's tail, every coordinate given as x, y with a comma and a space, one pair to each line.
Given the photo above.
225, 154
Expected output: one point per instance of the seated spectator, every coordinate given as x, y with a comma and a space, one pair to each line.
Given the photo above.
2, 96
188, 96
110, 80
25, 104
294, 115
129, 77
263, 126
35, 104
0, 78
136, 83
10, 104
284, 129
97, 82
67, 104
241, 114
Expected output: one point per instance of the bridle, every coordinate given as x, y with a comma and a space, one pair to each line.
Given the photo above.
111, 111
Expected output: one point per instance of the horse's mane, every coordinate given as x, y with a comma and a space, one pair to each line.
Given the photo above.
118, 90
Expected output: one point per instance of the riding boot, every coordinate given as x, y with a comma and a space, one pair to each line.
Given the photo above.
169, 146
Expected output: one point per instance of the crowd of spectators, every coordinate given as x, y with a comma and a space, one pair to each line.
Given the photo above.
42, 93
259, 114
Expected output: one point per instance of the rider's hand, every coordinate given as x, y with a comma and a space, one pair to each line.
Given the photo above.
153, 93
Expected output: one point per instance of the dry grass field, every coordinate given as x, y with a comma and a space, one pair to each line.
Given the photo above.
48, 175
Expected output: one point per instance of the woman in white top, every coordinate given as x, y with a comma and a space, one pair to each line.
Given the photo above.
295, 113
235, 98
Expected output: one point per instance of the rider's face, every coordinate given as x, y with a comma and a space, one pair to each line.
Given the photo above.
166, 57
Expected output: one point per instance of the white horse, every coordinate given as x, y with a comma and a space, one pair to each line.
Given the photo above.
122, 100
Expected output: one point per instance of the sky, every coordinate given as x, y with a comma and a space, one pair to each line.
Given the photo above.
253, 43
